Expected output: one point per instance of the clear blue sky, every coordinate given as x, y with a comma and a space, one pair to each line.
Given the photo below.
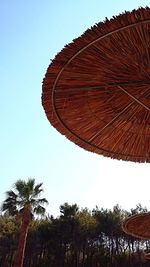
32, 32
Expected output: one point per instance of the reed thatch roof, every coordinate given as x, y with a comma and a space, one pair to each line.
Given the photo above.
147, 256
96, 91
138, 225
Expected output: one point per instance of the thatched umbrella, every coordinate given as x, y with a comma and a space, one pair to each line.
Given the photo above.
138, 225
147, 256
96, 91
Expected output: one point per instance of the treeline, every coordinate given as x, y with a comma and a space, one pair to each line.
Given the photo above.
77, 238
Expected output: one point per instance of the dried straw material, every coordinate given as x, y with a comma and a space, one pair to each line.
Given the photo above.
147, 256
138, 225
96, 91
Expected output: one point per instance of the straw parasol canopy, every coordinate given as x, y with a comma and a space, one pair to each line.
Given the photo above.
138, 225
147, 256
96, 91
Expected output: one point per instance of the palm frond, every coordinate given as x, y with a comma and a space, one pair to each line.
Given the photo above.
38, 189
31, 183
10, 201
9, 208
39, 210
35, 202
42, 201
11, 194
19, 187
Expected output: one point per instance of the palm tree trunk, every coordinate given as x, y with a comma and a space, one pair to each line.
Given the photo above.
19, 256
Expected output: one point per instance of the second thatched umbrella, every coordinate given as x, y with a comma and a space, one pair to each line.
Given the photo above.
138, 225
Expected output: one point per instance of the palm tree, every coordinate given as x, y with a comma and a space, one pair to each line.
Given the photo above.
23, 202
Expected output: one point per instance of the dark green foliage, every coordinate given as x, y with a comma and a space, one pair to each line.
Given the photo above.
77, 238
